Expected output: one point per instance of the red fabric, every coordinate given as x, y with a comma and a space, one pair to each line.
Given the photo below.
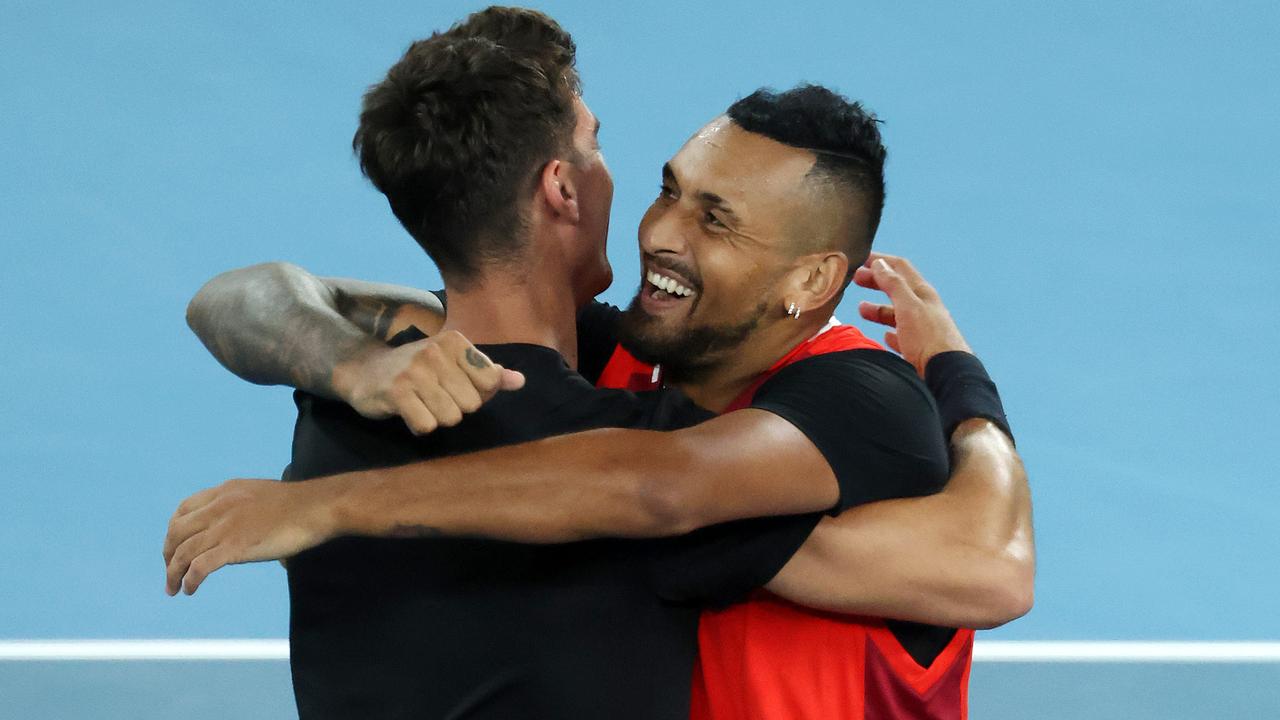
769, 659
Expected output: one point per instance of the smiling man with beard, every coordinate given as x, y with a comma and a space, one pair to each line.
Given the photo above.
746, 253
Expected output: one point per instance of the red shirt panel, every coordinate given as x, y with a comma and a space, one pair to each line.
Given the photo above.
769, 659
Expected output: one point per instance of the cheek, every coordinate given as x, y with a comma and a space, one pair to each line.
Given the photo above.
731, 284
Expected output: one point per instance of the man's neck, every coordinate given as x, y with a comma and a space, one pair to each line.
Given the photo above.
525, 306
727, 380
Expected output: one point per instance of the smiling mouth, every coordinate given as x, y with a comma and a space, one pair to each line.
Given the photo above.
665, 285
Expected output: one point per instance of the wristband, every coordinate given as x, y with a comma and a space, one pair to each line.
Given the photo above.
964, 390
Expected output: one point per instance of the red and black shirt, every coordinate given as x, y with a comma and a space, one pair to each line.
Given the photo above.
766, 658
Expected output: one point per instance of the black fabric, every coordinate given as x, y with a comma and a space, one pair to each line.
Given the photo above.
876, 424
924, 643
964, 390
693, 569
470, 628
597, 338
871, 418
443, 297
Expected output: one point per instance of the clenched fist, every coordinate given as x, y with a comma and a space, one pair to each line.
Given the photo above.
430, 383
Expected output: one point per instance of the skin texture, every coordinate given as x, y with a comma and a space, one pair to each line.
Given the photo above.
736, 221
732, 221
963, 557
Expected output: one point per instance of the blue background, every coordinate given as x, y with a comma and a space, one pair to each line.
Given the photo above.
1093, 190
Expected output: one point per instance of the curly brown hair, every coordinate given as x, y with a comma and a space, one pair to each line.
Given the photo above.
456, 133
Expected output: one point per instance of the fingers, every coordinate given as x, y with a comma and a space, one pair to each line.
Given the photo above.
187, 522
463, 392
202, 566
902, 268
180, 563
196, 501
484, 374
891, 339
877, 313
410, 407
864, 277
446, 379
441, 404
512, 379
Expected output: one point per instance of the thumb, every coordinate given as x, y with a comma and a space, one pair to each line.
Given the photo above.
511, 380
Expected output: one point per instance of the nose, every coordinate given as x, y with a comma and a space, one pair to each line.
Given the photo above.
662, 233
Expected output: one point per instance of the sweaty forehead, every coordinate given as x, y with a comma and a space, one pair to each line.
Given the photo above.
761, 179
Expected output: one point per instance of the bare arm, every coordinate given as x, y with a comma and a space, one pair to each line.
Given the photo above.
962, 558
565, 488
277, 324
601, 483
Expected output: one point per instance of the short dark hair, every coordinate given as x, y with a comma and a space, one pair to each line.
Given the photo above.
843, 135
456, 132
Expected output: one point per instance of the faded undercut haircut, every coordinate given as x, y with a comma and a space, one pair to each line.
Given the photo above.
457, 132
844, 137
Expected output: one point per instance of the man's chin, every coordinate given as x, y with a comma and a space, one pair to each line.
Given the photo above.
645, 335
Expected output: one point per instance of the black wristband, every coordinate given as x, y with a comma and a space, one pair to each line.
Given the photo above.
964, 390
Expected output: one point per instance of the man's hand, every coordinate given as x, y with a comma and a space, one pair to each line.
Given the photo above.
430, 383
242, 521
923, 327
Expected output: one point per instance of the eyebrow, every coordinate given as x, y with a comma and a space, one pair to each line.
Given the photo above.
706, 197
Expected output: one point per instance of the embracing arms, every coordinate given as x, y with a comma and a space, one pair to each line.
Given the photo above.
962, 557
277, 324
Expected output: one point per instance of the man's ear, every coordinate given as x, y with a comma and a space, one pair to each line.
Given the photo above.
559, 191
817, 279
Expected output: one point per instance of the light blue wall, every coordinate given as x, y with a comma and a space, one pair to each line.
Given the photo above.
1093, 189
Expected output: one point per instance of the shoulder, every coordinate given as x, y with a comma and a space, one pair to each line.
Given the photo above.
870, 416
876, 373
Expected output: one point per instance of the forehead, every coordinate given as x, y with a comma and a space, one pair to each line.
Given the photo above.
760, 178
585, 119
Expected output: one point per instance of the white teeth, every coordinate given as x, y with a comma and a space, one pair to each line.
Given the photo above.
667, 284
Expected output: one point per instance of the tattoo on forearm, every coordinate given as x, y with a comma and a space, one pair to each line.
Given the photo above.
277, 340
373, 315
414, 531
476, 359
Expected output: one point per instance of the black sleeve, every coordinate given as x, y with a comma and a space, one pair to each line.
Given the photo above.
720, 564
443, 298
597, 338
870, 416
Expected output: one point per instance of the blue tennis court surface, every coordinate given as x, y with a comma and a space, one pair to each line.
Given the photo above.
140, 690
1091, 186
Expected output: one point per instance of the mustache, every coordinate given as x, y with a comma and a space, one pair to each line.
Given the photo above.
674, 266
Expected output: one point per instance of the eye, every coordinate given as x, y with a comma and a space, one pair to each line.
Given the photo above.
711, 219
665, 192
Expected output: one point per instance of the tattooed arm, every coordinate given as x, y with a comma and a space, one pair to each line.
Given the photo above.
277, 324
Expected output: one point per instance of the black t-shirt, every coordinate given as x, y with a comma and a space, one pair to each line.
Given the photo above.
867, 412
470, 628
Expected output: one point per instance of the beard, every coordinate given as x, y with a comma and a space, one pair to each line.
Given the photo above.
689, 354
